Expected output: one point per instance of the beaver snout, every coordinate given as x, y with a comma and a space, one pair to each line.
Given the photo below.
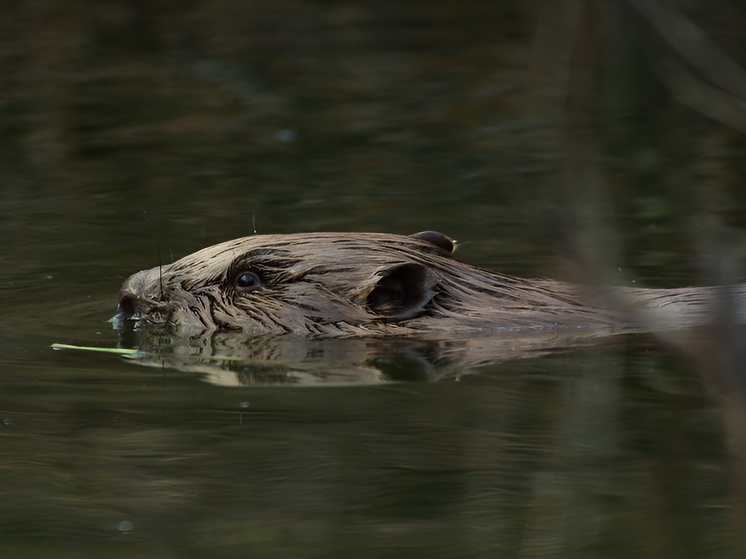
137, 299
130, 306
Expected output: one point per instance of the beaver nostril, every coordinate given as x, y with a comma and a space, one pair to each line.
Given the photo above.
127, 305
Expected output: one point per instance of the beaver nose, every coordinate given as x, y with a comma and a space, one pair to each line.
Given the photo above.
128, 306
132, 306
136, 298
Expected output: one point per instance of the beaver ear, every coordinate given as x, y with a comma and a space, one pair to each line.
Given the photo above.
402, 292
439, 240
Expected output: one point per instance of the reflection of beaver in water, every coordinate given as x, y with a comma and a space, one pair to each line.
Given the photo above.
369, 284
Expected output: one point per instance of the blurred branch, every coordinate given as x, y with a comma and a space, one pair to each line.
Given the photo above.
704, 78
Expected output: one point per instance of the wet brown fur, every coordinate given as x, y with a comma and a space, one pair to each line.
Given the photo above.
371, 284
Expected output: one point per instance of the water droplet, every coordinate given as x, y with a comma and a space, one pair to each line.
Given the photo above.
286, 135
125, 527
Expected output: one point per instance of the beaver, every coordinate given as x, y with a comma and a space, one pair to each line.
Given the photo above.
326, 285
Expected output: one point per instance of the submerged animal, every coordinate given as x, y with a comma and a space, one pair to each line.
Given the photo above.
372, 284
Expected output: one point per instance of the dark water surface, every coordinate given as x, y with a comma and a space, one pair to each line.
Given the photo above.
539, 136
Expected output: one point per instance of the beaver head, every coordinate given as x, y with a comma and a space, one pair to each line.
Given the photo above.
314, 283
336, 284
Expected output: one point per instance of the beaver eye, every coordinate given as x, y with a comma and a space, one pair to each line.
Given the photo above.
247, 281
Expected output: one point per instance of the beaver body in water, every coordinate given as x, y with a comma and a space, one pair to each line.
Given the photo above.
371, 284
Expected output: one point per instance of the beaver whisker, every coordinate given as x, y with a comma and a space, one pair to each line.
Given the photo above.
160, 268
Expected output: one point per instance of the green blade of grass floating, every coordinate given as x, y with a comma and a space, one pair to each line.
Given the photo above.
114, 350
134, 353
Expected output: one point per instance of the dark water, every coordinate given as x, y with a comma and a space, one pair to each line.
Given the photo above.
537, 135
